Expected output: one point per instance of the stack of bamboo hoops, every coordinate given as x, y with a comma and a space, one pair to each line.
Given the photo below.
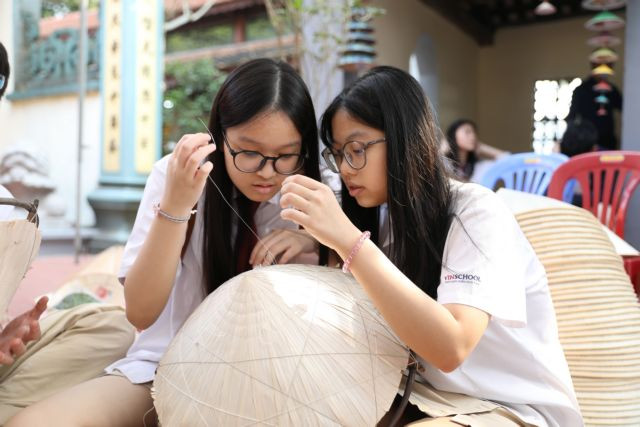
597, 311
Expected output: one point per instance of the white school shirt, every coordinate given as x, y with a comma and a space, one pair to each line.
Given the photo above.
142, 359
518, 363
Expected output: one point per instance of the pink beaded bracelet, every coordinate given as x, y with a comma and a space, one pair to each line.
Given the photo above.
347, 262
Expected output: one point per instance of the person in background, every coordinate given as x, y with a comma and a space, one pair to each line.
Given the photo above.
468, 157
580, 137
583, 105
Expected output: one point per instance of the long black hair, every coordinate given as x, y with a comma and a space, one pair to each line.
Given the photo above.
461, 171
5, 69
419, 196
256, 87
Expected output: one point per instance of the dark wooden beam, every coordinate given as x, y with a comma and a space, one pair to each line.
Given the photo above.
453, 11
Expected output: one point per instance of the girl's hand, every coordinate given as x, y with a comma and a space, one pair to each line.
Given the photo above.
287, 243
186, 177
312, 205
20, 331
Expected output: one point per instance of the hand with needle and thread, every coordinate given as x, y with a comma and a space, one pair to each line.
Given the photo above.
187, 173
313, 205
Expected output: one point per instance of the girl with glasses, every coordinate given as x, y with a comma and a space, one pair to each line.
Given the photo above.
445, 263
263, 128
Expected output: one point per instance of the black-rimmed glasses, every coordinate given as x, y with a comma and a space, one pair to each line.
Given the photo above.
252, 161
353, 151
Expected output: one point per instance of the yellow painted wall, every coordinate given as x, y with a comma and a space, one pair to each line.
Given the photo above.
508, 69
397, 33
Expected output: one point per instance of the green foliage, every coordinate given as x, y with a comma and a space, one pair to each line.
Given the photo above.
259, 27
75, 299
198, 38
62, 7
191, 88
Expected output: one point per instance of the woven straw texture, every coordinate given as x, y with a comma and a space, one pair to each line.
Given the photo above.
285, 345
597, 311
19, 245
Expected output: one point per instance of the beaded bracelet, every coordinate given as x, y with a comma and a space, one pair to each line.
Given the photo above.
179, 220
356, 248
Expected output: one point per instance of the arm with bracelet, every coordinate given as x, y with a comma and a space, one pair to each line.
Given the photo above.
165, 210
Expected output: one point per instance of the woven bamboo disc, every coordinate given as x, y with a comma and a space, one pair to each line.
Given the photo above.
577, 350
573, 261
590, 290
551, 266
597, 283
622, 388
564, 291
563, 229
594, 331
559, 237
599, 338
19, 245
612, 321
582, 256
592, 357
573, 251
614, 422
605, 400
587, 273
614, 285
574, 229
561, 211
601, 376
282, 345
627, 411
569, 306
598, 315
579, 243
545, 241
568, 311
585, 328
592, 294
606, 362
558, 219
622, 411
610, 371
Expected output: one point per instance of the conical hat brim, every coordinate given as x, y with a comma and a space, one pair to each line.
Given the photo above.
19, 245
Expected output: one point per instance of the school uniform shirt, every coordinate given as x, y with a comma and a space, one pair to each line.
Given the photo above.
142, 359
518, 363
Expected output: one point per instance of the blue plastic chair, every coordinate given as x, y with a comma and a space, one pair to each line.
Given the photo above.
528, 172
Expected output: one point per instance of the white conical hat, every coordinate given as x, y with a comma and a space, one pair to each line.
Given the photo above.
281, 345
19, 245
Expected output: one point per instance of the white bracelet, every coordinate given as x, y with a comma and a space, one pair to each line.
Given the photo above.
157, 211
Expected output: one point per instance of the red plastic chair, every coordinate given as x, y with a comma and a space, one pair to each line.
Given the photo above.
607, 180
